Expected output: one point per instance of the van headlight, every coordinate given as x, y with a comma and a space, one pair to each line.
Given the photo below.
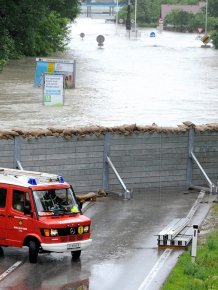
54, 232
50, 232
86, 229
83, 230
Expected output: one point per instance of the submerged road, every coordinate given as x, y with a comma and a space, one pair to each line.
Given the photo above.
123, 252
165, 80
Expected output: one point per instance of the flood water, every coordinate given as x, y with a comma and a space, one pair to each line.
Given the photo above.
164, 80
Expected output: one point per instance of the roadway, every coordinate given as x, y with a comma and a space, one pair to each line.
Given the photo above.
123, 253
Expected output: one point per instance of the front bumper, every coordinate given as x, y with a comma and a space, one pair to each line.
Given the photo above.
66, 247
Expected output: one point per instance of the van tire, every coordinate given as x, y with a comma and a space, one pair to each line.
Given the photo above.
1, 252
75, 255
33, 251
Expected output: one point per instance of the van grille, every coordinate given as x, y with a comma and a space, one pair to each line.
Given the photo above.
68, 231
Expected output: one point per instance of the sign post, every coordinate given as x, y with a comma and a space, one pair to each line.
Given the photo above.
100, 39
194, 243
160, 26
205, 39
128, 20
53, 89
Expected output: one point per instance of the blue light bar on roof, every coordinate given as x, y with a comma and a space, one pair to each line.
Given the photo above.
32, 181
61, 179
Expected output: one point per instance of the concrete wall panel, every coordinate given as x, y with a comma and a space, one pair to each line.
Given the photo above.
145, 161
7, 153
149, 159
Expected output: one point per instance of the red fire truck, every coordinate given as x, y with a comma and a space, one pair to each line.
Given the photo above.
40, 211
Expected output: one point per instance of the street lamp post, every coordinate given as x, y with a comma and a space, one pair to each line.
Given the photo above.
205, 39
117, 8
206, 17
128, 20
135, 18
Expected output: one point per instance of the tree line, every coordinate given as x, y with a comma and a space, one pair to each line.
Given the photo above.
34, 27
40, 28
148, 14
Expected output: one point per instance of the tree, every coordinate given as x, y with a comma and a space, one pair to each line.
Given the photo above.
213, 8
51, 35
180, 19
190, 2
66, 8
214, 37
148, 11
197, 21
34, 27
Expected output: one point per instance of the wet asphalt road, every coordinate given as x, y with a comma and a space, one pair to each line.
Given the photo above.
123, 252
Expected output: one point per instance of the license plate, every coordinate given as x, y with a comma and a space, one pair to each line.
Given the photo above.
73, 246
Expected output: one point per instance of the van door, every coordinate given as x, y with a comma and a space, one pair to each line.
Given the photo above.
19, 223
3, 198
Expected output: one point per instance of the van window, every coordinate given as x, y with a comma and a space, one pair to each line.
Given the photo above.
3, 193
55, 201
18, 200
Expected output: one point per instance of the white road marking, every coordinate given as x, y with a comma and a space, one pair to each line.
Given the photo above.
9, 270
149, 278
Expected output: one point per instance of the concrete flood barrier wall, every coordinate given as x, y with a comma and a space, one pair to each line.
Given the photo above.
206, 150
149, 161
147, 158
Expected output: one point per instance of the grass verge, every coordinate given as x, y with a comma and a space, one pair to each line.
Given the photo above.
203, 274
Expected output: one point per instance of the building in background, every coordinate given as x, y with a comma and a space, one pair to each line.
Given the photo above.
166, 8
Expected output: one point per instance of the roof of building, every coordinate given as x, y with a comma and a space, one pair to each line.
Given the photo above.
166, 8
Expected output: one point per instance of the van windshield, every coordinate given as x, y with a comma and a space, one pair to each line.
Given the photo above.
55, 202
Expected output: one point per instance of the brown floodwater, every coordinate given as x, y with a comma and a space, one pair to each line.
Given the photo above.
165, 80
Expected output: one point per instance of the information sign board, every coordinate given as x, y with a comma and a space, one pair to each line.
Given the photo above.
53, 89
55, 66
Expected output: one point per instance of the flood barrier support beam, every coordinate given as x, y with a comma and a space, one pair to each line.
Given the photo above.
17, 150
191, 158
106, 163
19, 165
210, 183
127, 193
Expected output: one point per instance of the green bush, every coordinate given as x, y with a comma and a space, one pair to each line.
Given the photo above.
34, 28
214, 37
51, 36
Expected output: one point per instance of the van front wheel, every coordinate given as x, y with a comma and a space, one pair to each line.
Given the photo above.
1, 252
33, 252
75, 255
